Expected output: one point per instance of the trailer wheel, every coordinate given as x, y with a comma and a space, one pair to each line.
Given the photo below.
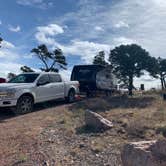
89, 94
108, 93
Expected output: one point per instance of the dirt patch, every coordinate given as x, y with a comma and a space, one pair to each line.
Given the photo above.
55, 134
19, 135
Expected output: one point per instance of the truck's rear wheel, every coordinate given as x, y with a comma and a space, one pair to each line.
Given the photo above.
24, 105
71, 96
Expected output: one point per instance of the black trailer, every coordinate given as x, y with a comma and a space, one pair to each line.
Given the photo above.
92, 78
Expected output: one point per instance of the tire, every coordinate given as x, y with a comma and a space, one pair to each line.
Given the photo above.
90, 94
108, 93
24, 105
71, 96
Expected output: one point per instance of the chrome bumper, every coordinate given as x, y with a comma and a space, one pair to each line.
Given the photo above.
8, 102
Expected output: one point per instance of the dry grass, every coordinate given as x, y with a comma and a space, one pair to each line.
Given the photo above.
137, 118
57, 134
142, 117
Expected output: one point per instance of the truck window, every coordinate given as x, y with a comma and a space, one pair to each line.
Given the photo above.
24, 78
44, 79
55, 78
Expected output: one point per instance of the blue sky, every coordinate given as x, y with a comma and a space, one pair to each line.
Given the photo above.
80, 28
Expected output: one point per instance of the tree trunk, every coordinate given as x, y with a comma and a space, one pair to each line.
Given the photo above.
162, 84
130, 85
162, 81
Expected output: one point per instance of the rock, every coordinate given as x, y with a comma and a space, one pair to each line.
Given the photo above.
81, 146
144, 153
96, 121
159, 149
121, 131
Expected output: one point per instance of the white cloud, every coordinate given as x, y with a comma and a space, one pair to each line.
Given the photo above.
15, 29
8, 61
7, 51
85, 49
0, 22
8, 55
6, 45
147, 23
28, 56
8, 67
42, 4
148, 81
160, 3
123, 40
122, 24
145, 19
65, 74
46, 34
98, 28
51, 29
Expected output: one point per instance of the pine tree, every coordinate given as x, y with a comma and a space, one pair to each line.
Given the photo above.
53, 61
99, 59
129, 61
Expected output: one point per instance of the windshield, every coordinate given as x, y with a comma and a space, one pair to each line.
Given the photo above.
24, 78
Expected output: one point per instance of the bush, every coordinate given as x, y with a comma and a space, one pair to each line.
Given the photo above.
161, 130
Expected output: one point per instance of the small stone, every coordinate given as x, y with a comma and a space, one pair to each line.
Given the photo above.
121, 131
81, 146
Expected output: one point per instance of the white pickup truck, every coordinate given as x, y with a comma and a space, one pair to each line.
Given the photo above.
26, 89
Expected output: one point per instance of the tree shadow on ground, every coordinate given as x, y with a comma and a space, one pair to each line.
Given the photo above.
48, 104
108, 103
85, 129
7, 113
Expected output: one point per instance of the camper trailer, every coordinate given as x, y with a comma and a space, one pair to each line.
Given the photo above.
94, 78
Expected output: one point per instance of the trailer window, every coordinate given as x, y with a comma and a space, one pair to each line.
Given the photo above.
84, 74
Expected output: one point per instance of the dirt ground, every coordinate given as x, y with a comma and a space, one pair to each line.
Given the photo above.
54, 134
19, 135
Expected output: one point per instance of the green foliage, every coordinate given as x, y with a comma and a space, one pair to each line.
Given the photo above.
99, 59
129, 61
161, 130
158, 70
51, 60
26, 69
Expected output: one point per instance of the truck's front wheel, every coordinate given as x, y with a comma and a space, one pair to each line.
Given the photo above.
24, 105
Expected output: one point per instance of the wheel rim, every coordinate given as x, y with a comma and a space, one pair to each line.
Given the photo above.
25, 105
